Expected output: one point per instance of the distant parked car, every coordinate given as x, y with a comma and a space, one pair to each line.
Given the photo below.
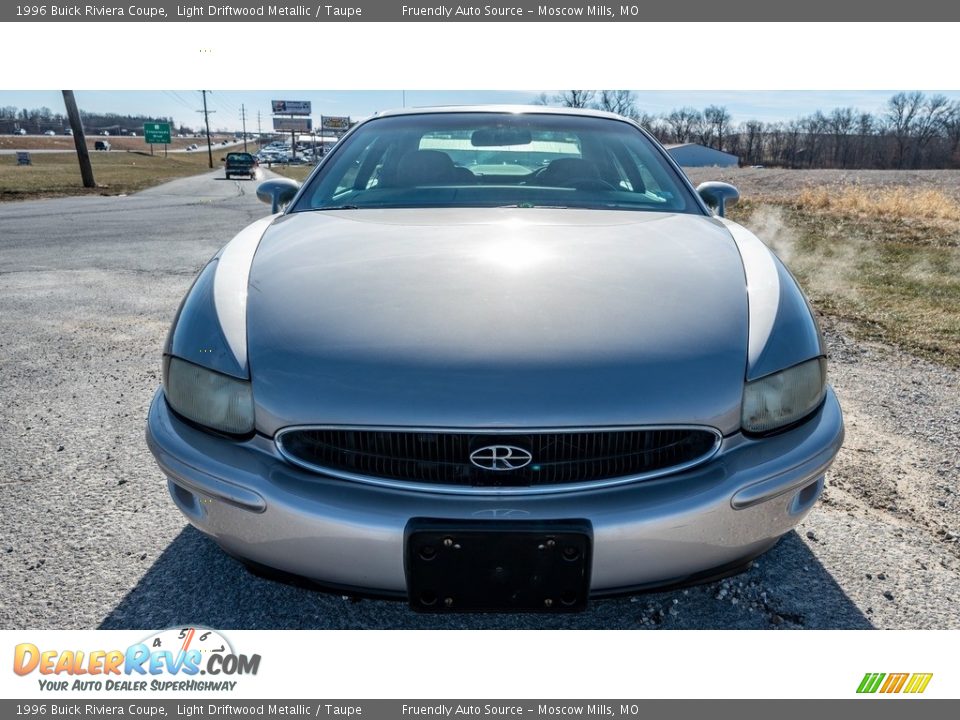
50, 133
105, 132
20, 131
68, 131
101, 145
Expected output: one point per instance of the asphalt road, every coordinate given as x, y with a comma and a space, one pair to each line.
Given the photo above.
89, 538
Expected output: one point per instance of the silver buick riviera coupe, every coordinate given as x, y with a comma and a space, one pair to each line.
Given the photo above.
495, 359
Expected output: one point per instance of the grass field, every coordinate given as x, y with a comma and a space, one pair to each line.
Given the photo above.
881, 250
120, 142
296, 172
116, 173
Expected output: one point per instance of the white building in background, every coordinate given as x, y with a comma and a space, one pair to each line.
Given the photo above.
696, 155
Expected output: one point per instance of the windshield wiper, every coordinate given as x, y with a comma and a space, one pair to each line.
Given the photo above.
532, 206
337, 207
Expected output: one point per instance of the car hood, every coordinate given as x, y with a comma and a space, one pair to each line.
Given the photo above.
496, 318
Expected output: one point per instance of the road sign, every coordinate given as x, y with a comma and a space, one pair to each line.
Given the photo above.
291, 124
23, 158
156, 133
291, 107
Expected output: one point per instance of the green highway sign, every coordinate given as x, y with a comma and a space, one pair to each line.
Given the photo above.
156, 133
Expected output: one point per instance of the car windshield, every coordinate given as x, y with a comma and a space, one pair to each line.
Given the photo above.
240, 157
488, 159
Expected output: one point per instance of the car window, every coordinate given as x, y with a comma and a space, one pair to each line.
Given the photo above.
489, 159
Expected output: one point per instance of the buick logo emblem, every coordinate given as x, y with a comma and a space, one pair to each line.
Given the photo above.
501, 457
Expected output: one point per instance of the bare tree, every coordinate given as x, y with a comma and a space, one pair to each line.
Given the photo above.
621, 102
902, 111
865, 131
930, 123
840, 124
682, 122
702, 130
657, 126
775, 143
951, 127
753, 129
575, 98
719, 118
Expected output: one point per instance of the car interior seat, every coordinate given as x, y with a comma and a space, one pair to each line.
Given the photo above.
564, 170
427, 167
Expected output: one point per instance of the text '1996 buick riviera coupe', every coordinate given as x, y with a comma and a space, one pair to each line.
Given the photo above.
495, 359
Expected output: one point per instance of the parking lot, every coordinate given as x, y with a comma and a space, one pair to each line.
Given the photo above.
89, 538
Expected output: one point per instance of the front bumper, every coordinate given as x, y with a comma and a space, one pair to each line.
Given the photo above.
351, 535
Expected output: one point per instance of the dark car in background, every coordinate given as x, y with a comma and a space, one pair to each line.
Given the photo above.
240, 163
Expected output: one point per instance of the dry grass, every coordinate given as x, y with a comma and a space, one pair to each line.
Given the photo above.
296, 172
117, 142
894, 271
116, 173
900, 203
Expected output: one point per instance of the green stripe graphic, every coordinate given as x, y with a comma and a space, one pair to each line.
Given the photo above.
871, 682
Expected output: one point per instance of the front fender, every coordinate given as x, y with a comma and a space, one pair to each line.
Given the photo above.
783, 330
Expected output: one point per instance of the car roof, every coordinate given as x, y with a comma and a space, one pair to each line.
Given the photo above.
517, 109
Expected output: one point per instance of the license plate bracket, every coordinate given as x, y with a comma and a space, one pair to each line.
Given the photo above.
498, 565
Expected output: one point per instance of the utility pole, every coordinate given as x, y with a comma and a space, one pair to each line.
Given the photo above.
243, 117
206, 120
86, 169
259, 132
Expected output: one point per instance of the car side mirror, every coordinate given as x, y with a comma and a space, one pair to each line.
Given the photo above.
717, 195
277, 192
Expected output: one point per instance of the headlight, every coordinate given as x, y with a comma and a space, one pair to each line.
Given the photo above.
783, 398
208, 398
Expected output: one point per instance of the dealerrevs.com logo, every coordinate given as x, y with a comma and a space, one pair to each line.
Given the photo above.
911, 683
169, 660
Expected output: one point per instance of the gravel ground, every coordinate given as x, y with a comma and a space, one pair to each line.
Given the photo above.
88, 537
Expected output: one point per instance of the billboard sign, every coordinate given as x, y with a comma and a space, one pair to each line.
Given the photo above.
334, 123
291, 107
293, 124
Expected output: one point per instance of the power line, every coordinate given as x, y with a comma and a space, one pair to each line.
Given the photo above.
223, 103
178, 98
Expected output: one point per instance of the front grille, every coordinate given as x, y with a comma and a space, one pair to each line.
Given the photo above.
443, 458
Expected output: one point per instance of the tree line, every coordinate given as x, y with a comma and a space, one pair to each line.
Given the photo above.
914, 130
39, 120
